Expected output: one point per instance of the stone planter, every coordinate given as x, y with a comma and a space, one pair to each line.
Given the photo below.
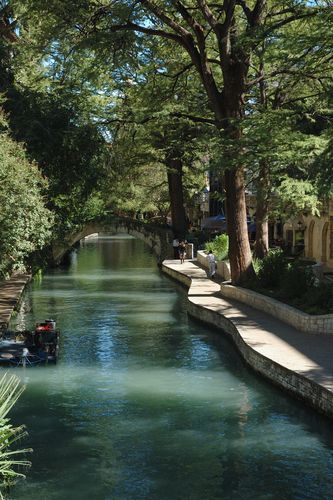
299, 319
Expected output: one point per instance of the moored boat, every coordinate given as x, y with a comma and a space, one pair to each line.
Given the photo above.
30, 347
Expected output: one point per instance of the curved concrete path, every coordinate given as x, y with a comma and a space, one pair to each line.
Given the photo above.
299, 362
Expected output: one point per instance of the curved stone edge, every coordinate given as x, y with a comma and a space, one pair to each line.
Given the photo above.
310, 323
300, 387
298, 319
11, 292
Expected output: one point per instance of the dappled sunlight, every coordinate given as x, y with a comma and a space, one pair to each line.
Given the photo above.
181, 384
133, 275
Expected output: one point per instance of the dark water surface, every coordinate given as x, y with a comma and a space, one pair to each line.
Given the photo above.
147, 404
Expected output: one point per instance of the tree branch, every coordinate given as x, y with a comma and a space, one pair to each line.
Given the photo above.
288, 20
193, 23
148, 31
166, 19
196, 119
207, 13
257, 12
176, 75
246, 9
282, 71
229, 8
302, 98
185, 37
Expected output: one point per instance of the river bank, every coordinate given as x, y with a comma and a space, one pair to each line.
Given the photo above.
298, 362
10, 296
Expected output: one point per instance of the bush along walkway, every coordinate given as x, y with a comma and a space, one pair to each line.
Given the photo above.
10, 295
299, 362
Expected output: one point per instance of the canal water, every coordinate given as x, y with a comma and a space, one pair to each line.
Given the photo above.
145, 403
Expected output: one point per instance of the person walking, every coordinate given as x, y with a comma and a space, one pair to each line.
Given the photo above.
182, 251
175, 245
211, 264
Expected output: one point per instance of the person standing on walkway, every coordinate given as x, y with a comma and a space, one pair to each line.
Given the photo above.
182, 251
211, 264
175, 246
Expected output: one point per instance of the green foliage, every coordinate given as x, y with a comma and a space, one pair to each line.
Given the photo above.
293, 283
296, 281
297, 195
101, 79
287, 279
319, 300
256, 265
70, 151
219, 246
271, 269
135, 180
322, 169
25, 222
10, 391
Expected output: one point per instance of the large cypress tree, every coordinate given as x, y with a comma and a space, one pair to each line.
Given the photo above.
218, 41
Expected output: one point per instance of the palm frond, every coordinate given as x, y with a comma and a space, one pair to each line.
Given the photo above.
10, 466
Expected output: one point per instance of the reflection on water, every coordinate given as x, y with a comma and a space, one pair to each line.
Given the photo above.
146, 404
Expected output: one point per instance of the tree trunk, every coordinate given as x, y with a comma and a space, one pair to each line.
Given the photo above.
239, 247
175, 183
261, 244
216, 205
240, 256
263, 187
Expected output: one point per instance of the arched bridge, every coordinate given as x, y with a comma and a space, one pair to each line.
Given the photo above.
158, 238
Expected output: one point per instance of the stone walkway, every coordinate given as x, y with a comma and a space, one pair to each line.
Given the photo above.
301, 363
10, 295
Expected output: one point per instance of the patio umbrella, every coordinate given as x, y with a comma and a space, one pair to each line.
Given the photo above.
217, 222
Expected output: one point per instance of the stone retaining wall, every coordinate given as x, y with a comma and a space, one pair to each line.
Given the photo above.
300, 387
305, 322
11, 292
180, 277
299, 319
297, 385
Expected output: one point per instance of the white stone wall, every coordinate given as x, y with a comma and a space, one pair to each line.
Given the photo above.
298, 319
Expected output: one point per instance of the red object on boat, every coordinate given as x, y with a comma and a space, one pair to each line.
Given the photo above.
47, 327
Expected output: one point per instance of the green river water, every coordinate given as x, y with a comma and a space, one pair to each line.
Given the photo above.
146, 403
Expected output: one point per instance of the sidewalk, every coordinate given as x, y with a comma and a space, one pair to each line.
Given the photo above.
301, 363
10, 295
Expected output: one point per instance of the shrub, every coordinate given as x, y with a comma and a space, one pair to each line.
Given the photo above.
219, 246
319, 299
293, 283
25, 221
257, 265
271, 269
296, 280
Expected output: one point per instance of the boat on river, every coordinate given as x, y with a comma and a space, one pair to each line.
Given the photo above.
30, 347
